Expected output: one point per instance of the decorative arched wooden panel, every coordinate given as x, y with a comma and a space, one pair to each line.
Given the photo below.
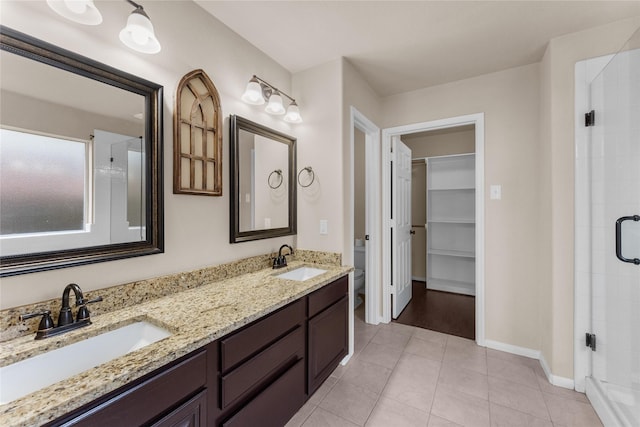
197, 143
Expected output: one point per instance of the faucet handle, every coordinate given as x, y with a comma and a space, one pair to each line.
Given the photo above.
83, 311
45, 323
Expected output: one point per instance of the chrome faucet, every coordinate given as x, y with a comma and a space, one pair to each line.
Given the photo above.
66, 323
281, 260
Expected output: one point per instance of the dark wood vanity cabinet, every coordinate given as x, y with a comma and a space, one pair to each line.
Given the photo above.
328, 331
174, 395
262, 375
269, 368
259, 375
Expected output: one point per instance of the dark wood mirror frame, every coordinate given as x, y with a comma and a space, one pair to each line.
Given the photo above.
236, 125
38, 50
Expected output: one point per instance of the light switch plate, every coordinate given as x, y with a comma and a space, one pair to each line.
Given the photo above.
496, 192
324, 226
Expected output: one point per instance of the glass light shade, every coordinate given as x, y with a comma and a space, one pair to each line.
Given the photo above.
293, 114
80, 11
253, 93
275, 104
138, 34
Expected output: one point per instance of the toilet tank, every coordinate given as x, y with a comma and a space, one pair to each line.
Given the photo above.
359, 257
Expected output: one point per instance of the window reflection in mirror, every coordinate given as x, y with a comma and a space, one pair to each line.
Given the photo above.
80, 159
58, 193
42, 184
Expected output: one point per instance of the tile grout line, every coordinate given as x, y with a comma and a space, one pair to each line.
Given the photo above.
387, 381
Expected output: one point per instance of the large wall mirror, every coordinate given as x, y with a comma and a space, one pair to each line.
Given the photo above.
80, 159
263, 191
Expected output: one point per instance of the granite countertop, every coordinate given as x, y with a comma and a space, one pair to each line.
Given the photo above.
195, 317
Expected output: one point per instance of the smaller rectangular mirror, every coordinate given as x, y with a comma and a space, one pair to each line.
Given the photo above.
263, 191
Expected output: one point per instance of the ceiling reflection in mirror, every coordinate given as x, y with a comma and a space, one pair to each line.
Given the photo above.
263, 192
79, 156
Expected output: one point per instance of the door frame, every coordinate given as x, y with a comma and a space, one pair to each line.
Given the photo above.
373, 206
476, 119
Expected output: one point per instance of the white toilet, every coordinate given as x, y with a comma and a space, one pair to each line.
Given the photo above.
359, 262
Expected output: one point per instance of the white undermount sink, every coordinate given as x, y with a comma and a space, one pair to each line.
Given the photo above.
301, 274
32, 374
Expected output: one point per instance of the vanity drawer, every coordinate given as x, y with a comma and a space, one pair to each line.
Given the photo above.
276, 404
324, 297
262, 368
243, 344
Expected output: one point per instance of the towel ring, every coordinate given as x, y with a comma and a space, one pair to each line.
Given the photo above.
278, 172
310, 172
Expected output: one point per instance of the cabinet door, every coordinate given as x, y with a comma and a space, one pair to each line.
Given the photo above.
328, 342
191, 414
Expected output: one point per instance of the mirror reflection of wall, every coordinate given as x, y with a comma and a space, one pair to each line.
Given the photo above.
272, 204
261, 206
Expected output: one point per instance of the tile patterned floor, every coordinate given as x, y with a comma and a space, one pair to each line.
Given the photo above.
401, 376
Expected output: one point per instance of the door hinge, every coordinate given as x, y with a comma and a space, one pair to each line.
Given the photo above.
590, 118
590, 341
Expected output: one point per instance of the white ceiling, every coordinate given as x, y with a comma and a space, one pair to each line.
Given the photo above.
400, 46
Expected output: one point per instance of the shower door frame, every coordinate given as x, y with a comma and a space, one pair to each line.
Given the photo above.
585, 73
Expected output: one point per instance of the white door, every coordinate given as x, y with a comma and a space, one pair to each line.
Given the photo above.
401, 216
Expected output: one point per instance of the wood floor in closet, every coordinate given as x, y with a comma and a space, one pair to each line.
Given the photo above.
445, 312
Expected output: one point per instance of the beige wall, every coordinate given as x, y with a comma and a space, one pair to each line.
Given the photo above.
196, 227
441, 142
509, 100
429, 144
556, 213
320, 146
358, 94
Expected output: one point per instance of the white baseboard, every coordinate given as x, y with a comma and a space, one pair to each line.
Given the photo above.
513, 349
555, 379
533, 354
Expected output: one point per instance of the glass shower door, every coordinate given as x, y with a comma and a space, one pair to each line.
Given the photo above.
615, 227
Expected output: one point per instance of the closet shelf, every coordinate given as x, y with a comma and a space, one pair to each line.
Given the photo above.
453, 220
451, 223
470, 189
455, 286
446, 252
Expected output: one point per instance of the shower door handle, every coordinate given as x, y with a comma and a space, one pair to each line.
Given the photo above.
619, 222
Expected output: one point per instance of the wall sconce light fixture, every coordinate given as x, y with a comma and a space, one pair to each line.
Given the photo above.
138, 34
258, 91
